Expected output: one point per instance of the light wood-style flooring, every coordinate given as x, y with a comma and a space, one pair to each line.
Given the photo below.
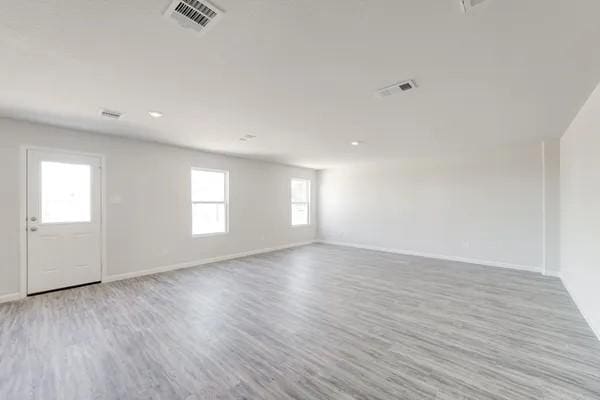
316, 322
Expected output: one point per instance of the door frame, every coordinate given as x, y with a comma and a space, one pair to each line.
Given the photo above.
23, 175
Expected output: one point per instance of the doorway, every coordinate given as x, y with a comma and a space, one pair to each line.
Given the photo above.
64, 218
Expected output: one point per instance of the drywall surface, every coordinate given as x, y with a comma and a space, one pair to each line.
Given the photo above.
486, 208
580, 210
148, 210
551, 154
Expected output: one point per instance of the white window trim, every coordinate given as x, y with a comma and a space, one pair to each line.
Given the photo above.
308, 203
226, 202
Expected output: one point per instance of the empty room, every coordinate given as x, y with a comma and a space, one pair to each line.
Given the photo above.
299, 199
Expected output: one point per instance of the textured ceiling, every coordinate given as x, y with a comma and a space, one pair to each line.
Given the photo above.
301, 75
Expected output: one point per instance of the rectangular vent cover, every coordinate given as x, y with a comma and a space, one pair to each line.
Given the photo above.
111, 114
467, 5
397, 88
194, 14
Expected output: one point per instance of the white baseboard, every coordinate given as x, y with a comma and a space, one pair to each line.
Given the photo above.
190, 264
578, 303
10, 297
438, 256
555, 274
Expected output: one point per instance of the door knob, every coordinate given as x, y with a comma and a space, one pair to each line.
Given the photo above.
33, 229
33, 219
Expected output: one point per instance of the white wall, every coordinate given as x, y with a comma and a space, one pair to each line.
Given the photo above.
484, 208
580, 210
551, 251
151, 227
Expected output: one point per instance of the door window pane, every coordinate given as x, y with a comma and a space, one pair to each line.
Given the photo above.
208, 218
66, 192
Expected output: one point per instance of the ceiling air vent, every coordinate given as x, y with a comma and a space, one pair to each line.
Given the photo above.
397, 88
467, 5
194, 14
110, 114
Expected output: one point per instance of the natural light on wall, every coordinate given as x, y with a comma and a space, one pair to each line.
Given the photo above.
209, 201
300, 194
66, 192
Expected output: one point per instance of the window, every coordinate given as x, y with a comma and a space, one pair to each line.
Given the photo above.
209, 201
300, 194
66, 192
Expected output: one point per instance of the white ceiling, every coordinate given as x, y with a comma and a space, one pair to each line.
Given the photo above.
301, 75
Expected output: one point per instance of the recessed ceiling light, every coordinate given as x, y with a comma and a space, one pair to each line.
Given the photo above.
155, 114
355, 143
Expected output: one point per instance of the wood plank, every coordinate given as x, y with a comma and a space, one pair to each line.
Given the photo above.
316, 322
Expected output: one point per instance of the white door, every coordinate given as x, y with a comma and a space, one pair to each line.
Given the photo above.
63, 220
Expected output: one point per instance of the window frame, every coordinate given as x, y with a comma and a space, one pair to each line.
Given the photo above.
225, 201
307, 202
